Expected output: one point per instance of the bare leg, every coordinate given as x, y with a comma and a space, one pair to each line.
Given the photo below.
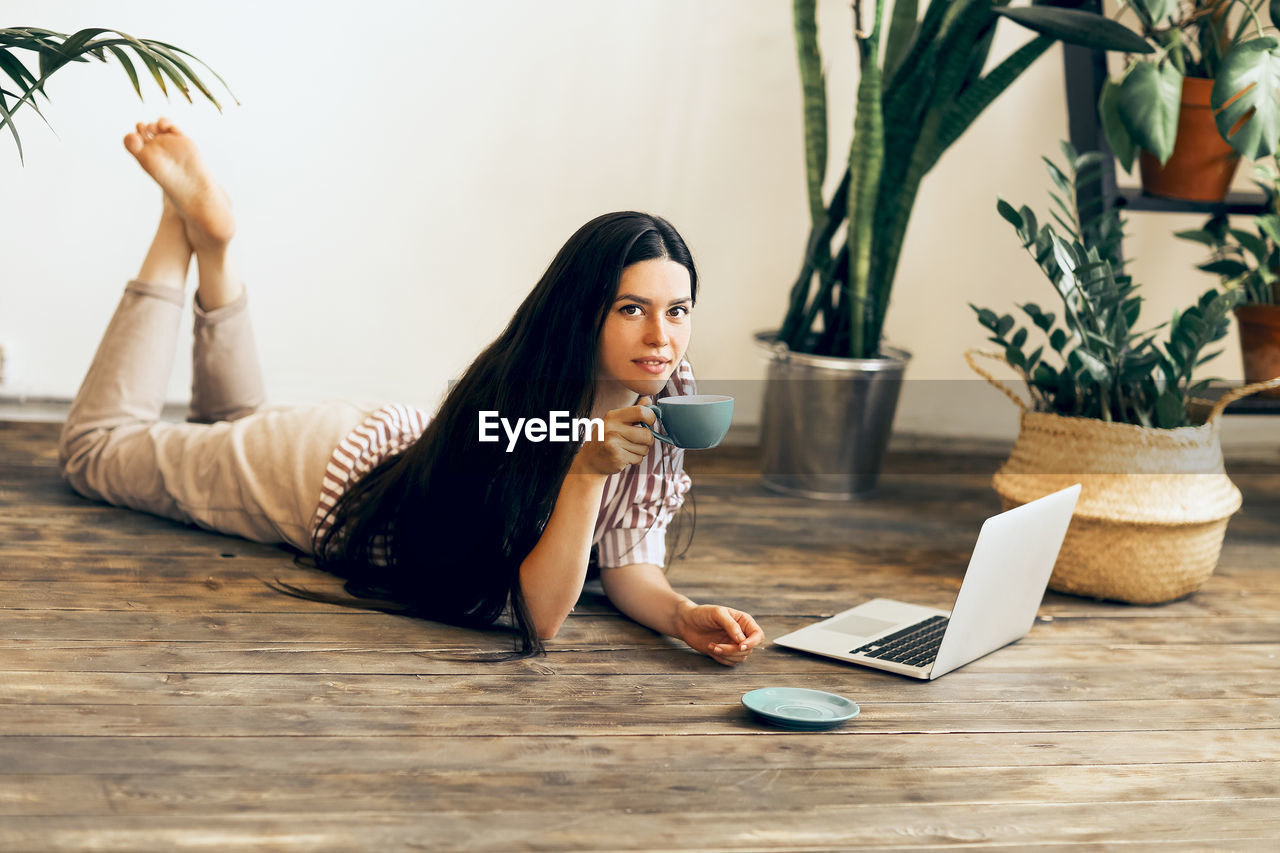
169, 257
203, 208
226, 380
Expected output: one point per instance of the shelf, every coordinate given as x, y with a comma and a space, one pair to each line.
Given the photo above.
1240, 203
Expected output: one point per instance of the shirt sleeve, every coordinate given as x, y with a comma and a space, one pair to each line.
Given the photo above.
634, 528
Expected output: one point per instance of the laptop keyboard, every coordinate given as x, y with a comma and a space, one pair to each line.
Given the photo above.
914, 645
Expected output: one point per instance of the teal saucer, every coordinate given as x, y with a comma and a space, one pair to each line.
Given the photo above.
800, 708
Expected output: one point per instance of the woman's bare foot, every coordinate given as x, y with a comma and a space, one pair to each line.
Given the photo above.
172, 159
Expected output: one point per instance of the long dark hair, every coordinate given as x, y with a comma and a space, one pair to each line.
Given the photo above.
440, 530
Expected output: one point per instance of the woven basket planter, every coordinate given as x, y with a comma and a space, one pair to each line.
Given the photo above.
1153, 507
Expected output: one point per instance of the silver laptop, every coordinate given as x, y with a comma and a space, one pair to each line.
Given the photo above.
997, 603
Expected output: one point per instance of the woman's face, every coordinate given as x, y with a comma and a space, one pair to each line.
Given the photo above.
648, 326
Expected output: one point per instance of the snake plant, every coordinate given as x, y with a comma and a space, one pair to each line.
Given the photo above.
54, 51
915, 98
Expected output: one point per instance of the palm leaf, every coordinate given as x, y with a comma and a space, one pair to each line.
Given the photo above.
55, 50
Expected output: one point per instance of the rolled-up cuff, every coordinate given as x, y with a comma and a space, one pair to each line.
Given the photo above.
164, 292
234, 308
624, 546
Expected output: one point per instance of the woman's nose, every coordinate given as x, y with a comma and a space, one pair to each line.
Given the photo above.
656, 332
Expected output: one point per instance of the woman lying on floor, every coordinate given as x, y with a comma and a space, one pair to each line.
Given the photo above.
412, 511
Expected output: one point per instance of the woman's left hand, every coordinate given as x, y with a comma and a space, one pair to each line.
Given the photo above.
728, 636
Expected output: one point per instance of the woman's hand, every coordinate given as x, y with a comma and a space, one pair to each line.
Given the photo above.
626, 442
728, 636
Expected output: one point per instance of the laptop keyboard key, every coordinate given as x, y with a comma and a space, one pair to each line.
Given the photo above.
914, 645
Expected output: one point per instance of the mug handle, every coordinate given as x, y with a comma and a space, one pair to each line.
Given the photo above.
657, 412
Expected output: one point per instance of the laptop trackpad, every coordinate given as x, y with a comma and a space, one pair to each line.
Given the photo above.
858, 626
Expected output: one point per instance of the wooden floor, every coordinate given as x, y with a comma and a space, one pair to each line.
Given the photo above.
155, 695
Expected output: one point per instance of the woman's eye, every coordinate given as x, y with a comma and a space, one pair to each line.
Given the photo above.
627, 310
679, 310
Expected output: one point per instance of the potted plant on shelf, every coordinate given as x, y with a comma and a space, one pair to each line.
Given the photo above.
1250, 263
832, 385
1111, 408
54, 51
1205, 98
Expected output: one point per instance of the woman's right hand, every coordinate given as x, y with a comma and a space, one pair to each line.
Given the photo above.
626, 442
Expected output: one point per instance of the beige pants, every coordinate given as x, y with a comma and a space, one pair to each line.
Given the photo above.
235, 467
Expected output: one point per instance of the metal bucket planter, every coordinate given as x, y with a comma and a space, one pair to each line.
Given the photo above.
827, 420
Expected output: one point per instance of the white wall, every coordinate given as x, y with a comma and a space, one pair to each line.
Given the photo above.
403, 172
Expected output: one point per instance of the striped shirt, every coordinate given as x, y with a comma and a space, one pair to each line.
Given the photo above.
638, 502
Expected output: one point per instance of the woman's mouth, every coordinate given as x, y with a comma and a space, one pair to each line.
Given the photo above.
656, 366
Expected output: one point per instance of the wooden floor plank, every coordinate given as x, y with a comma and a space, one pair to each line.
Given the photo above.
199, 794
364, 627
731, 749
581, 717
258, 689
835, 827
612, 658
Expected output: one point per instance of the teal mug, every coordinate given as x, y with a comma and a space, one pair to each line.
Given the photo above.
693, 421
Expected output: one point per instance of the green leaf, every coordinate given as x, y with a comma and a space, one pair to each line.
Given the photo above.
1058, 339
1244, 97
1157, 9
1096, 367
1118, 135
1270, 226
1004, 324
1105, 343
867, 166
1210, 357
1148, 104
1226, 268
1020, 338
902, 29
1046, 377
1131, 308
1029, 218
1075, 26
1063, 182
1088, 164
127, 65
1170, 412
986, 316
1034, 358
1256, 245
813, 88
1010, 215
1198, 235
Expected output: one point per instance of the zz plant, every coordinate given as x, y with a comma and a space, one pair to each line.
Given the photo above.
1243, 259
1097, 364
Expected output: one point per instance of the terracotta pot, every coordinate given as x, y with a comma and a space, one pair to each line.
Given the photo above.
1202, 164
1260, 343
